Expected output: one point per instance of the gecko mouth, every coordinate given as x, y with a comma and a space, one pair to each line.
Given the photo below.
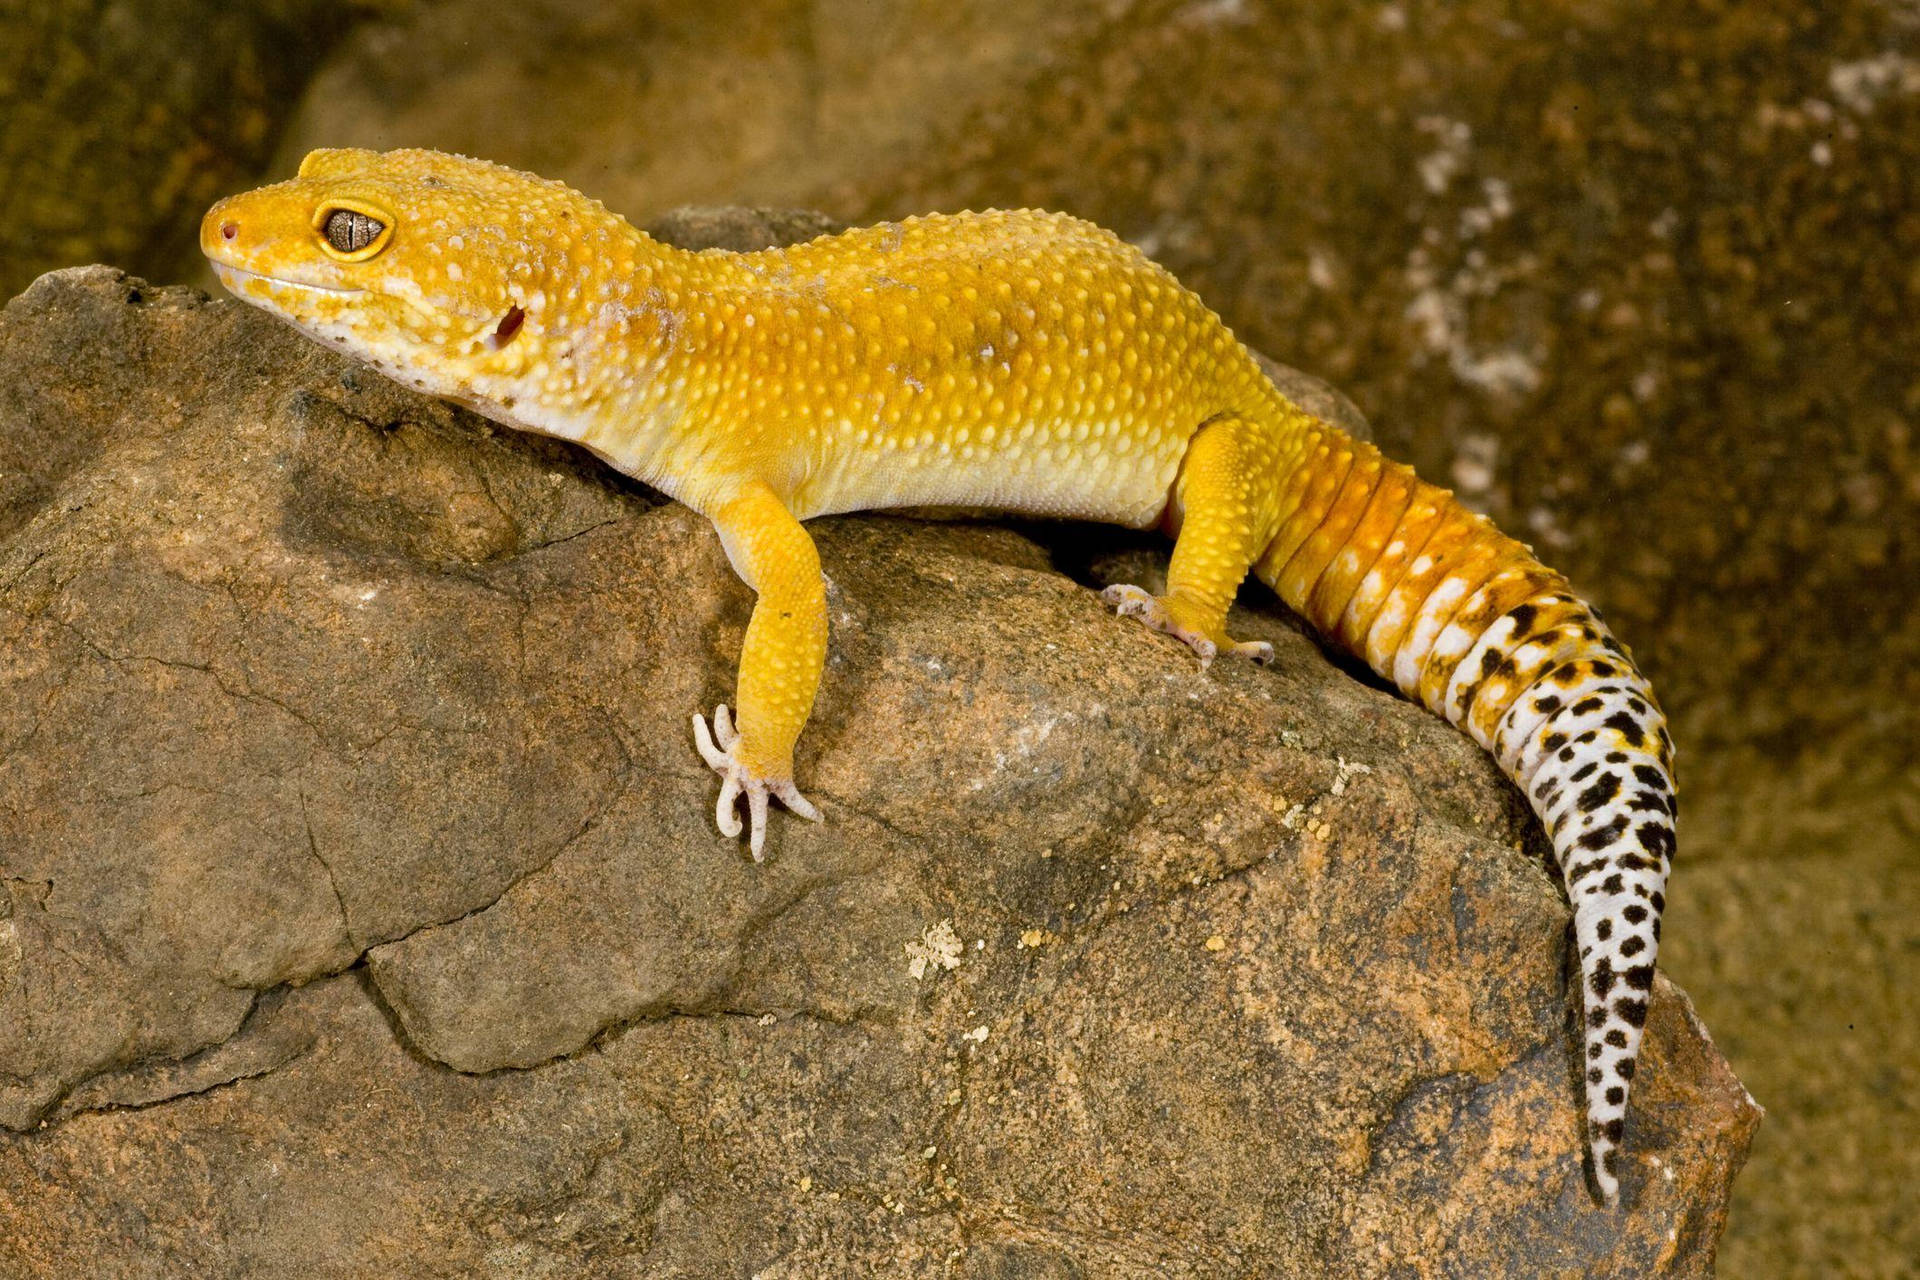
231, 275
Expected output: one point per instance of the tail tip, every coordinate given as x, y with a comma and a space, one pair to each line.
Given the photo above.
1603, 1168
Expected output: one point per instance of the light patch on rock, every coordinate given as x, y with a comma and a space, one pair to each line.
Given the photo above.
1504, 372
1453, 138
1544, 523
1438, 311
1345, 769
1495, 208
1860, 85
11, 953
1215, 13
1028, 738
1475, 466
938, 946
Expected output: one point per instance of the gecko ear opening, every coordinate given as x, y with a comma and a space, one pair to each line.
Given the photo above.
505, 331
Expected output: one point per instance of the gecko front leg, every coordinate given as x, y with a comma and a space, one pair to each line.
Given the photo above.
780, 662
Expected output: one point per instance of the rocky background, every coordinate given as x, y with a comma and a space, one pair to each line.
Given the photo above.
122, 120
1639, 280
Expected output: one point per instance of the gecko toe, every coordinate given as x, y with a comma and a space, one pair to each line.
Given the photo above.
1130, 601
713, 753
1255, 651
717, 746
757, 809
726, 814
789, 795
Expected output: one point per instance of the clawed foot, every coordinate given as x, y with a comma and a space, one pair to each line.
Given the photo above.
737, 779
1132, 602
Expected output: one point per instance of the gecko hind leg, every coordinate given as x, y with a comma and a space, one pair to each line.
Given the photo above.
1222, 499
736, 780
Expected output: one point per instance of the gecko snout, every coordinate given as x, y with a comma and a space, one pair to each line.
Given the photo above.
220, 228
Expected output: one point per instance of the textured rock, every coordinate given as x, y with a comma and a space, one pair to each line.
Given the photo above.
1101, 965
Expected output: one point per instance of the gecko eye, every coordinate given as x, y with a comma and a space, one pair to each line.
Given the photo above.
351, 233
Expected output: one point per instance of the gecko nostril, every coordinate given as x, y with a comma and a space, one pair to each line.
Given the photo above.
228, 230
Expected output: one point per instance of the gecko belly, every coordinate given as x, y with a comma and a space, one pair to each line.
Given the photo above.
1060, 469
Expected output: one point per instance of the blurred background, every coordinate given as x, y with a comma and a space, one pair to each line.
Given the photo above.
1641, 280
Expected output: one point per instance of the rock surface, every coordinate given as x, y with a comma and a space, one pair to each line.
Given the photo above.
348, 765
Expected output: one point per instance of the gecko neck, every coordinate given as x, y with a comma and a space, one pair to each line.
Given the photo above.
607, 369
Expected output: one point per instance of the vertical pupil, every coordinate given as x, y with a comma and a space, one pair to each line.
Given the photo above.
348, 231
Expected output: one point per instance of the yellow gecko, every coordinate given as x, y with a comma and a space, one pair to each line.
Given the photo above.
1022, 361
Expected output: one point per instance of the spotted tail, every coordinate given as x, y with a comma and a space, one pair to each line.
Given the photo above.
1464, 619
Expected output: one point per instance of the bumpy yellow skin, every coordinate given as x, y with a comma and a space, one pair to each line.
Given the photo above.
1022, 361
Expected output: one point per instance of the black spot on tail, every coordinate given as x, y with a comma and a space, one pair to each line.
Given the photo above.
1603, 790
1627, 727
1601, 837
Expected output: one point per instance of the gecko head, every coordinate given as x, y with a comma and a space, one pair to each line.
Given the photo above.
451, 274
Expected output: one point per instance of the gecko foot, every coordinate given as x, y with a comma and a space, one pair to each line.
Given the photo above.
1134, 602
736, 780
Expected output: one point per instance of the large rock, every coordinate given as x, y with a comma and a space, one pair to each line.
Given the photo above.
347, 762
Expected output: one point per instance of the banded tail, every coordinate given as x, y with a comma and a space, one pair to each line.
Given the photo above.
1465, 620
